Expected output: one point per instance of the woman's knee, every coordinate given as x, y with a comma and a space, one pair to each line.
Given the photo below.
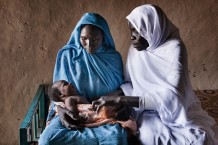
50, 131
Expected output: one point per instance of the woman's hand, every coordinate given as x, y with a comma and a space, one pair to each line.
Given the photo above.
106, 100
123, 111
132, 101
112, 98
67, 118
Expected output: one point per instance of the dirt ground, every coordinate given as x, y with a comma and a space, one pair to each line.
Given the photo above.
32, 32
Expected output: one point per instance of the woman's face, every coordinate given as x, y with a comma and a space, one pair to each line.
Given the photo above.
91, 38
138, 42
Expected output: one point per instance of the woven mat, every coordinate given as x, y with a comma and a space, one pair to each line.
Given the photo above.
209, 101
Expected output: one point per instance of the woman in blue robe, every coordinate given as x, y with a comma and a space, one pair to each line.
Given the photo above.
94, 71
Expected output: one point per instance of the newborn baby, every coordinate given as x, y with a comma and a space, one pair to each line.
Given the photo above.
65, 95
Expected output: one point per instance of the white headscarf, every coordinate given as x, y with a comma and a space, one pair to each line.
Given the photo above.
152, 24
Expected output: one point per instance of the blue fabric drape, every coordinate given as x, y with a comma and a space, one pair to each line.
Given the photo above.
93, 75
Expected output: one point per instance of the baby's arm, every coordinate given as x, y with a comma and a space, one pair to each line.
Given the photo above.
79, 100
71, 102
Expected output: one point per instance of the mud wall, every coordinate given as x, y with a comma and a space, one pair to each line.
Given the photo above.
32, 32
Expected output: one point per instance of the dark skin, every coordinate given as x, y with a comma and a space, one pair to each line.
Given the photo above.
116, 98
71, 120
138, 42
69, 117
91, 38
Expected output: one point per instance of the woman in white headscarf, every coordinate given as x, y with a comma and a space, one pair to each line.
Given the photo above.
168, 112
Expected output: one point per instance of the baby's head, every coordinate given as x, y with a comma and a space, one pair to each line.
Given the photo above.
60, 90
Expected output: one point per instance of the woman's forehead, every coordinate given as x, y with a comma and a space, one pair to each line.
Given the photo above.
91, 29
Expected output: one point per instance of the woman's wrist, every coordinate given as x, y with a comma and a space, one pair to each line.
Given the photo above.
132, 101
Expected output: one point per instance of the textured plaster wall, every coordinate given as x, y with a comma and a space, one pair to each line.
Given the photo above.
32, 32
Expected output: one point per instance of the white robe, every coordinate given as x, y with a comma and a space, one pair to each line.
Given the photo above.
159, 76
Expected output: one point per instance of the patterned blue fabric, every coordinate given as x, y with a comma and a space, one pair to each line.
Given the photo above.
93, 75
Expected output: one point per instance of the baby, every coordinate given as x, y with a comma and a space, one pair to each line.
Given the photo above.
66, 95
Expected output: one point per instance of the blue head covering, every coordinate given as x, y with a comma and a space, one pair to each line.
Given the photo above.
92, 74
